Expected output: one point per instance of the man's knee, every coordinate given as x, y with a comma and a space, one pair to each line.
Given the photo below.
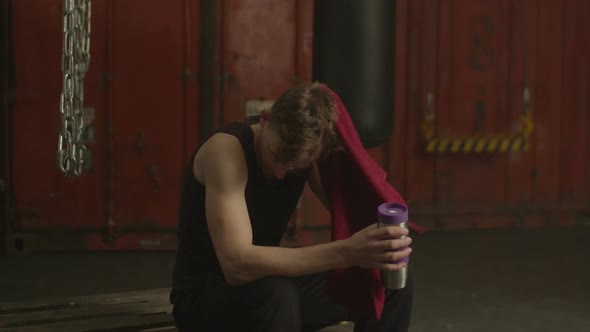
273, 305
274, 291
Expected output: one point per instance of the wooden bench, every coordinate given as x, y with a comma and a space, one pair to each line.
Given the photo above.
148, 310
145, 311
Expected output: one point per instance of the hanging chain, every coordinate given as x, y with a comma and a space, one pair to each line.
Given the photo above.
71, 152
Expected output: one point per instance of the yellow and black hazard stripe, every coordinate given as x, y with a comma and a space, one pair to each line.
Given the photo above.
478, 144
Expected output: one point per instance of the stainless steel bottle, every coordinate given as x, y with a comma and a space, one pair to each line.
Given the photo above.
391, 215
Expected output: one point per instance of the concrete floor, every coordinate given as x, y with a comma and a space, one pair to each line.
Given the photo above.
499, 280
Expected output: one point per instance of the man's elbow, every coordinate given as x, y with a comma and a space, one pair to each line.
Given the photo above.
235, 278
236, 271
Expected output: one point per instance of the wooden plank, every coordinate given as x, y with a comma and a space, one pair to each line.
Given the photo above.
341, 327
149, 308
131, 322
122, 297
146, 311
160, 329
76, 311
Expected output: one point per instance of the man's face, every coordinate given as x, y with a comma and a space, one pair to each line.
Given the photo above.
269, 145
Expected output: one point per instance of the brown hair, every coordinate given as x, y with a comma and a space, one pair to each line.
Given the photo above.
304, 117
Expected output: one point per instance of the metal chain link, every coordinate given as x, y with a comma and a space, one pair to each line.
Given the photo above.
71, 152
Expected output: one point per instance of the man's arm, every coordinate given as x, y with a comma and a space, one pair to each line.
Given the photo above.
225, 177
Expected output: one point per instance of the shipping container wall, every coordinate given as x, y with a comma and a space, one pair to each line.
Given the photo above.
477, 60
141, 106
162, 76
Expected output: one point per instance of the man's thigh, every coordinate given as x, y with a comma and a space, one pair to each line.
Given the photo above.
221, 307
317, 308
210, 310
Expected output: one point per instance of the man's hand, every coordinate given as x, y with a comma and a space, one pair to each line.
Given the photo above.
369, 247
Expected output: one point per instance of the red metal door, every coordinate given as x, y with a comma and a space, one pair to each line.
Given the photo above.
475, 59
45, 200
141, 85
465, 70
147, 124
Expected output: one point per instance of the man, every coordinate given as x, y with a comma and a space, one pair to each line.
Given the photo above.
240, 189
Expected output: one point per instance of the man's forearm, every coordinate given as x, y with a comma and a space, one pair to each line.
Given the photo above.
259, 262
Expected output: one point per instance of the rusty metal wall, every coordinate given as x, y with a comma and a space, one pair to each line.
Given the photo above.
43, 199
142, 87
474, 57
163, 76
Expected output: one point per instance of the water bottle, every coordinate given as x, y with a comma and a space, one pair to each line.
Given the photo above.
394, 214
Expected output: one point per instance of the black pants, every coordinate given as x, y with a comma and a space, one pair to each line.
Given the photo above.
281, 304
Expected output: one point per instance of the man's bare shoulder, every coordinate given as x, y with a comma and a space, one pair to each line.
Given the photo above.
221, 157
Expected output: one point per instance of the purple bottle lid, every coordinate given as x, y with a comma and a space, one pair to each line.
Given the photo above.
392, 213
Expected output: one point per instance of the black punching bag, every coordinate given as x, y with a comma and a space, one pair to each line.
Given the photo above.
353, 54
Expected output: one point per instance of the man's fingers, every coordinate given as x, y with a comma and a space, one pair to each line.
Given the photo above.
388, 232
373, 226
391, 244
392, 256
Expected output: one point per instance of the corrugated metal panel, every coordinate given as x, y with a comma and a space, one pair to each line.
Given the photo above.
147, 117
465, 65
574, 156
146, 86
474, 57
44, 199
142, 85
259, 52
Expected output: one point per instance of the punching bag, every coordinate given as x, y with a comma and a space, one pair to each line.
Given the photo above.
353, 53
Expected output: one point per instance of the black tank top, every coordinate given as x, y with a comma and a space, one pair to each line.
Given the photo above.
270, 205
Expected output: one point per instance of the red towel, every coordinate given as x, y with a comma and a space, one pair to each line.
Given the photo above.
355, 185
